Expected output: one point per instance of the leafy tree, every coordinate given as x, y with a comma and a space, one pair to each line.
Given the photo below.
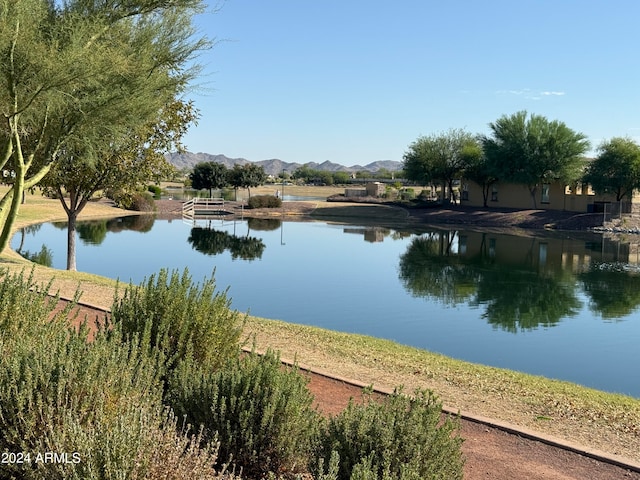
236, 178
616, 169
210, 176
254, 175
531, 150
311, 175
304, 173
115, 163
246, 176
341, 177
480, 171
74, 67
364, 174
440, 158
325, 178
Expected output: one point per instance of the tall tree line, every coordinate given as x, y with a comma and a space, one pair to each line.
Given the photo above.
525, 149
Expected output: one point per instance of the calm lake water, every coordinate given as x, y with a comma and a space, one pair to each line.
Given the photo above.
561, 306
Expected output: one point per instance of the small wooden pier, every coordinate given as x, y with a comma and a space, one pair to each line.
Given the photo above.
202, 208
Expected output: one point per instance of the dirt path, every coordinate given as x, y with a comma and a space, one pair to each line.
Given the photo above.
490, 453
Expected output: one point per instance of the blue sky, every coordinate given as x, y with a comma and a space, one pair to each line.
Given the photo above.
354, 81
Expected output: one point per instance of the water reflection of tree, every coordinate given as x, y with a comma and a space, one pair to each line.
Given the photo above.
516, 297
429, 269
28, 230
92, 232
264, 224
136, 223
524, 299
614, 291
214, 242
43, 257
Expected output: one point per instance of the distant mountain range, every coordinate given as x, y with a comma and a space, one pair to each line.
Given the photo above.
275, 166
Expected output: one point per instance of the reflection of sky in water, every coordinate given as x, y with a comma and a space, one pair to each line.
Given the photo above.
347, 279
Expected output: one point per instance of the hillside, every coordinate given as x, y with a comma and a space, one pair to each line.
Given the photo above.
275, 166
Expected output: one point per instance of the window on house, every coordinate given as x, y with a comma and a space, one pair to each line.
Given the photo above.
545, 193
494, 194
465, 192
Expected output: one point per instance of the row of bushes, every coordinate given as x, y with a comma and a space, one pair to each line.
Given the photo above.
121, 406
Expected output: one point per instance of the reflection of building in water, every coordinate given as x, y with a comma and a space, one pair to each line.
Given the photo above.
371, 234
548, 253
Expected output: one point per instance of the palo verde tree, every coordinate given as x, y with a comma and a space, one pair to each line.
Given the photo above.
123, 163
77, 66
531, 150
210, 176
616, 169
440, 158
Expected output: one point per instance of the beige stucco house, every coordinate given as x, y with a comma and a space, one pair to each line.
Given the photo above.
551, 196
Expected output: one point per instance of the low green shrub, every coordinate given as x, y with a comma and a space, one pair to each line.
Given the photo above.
400, 438
137, 201
155, 190
172, 314
425, 194
178, 454
142, 202
84, 410
23, 305
264, 201
91, 402
408, 194
262, 412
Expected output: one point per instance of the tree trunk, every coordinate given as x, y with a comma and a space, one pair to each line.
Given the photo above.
533, 190
71, 241
485, 194
14, 206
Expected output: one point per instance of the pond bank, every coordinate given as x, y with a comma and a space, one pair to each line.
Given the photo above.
390, 212
579, 414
